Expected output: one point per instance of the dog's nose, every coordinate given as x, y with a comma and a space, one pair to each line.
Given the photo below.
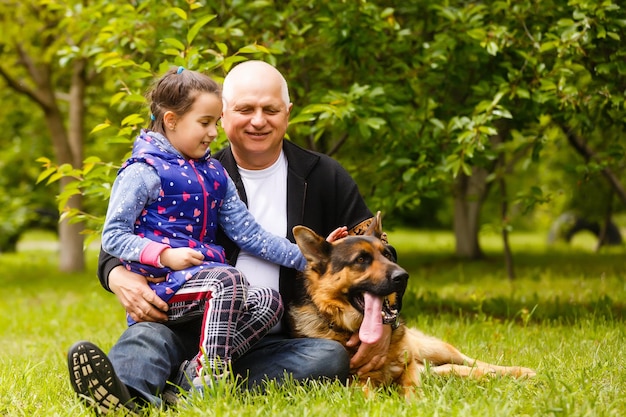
400, 276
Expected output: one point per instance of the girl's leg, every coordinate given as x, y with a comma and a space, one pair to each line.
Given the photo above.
219, 294
235, 316
263, 310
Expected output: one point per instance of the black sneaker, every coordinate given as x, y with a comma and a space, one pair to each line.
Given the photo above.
94, 380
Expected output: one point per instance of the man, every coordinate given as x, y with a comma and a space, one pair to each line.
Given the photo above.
283, 185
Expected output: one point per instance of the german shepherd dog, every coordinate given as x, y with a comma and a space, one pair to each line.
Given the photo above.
353, 285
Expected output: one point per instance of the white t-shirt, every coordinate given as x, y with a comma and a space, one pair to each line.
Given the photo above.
266, 190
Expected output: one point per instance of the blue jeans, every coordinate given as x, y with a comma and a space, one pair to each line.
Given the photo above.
148, 354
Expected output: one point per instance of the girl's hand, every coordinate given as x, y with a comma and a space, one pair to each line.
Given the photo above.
337, 234
181, 258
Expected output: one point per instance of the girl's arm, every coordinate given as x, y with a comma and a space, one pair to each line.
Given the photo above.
241, 227
134, 188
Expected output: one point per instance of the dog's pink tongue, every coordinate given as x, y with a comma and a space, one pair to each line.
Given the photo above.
372, 327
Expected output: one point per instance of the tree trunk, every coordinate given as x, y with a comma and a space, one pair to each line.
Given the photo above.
502, 170
68, 147
71, 256
504, 213
34, 60
71, 238
469, 194
603, 237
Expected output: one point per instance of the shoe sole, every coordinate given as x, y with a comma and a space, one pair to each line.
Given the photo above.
95, 382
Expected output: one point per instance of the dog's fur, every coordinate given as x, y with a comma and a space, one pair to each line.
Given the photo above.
338, 274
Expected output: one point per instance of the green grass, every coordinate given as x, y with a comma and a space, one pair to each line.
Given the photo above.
562, 316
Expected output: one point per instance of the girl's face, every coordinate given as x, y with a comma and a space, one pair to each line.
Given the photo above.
192, 133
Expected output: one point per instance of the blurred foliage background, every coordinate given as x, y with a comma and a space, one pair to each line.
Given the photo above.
460, 115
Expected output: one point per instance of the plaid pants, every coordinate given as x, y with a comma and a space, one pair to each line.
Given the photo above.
235, 314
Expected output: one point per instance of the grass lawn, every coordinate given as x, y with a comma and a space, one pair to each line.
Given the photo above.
563, 315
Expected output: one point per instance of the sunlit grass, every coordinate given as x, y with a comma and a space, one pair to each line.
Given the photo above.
562, 315
549, 280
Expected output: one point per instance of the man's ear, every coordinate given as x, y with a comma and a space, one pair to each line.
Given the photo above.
170, 119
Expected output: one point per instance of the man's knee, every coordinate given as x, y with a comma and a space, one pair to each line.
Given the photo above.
337, 359
147, 353
147, 340
302, 359
327, 359
147, 332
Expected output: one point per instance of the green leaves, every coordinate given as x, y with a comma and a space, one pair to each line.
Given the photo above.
93, 181
343, 110
179, 12
195, 29
406, 97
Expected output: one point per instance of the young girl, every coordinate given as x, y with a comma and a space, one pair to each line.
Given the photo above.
166, 204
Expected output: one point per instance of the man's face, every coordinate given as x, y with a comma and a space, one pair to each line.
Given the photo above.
255, 119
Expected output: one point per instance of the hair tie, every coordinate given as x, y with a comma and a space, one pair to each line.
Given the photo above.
152, 117
180, 69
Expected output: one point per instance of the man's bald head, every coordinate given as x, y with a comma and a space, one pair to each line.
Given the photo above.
253, 72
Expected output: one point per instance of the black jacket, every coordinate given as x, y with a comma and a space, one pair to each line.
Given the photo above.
320, 195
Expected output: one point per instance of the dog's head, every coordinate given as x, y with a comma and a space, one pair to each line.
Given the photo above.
354, 280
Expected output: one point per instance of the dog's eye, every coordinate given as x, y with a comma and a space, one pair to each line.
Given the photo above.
390, 255
364, 258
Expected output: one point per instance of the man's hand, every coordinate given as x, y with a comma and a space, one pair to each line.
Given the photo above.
181, 258
369, 356
138, 299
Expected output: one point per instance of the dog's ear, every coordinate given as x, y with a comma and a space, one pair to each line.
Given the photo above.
314, 247
376, 226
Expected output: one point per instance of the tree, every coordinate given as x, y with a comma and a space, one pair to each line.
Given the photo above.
136, 43
23, 204
31, 45
55, 58
450, 103
493, 84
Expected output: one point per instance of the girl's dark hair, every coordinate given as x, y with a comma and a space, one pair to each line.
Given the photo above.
176, 91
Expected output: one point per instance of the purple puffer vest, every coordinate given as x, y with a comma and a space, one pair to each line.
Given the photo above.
184, 215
